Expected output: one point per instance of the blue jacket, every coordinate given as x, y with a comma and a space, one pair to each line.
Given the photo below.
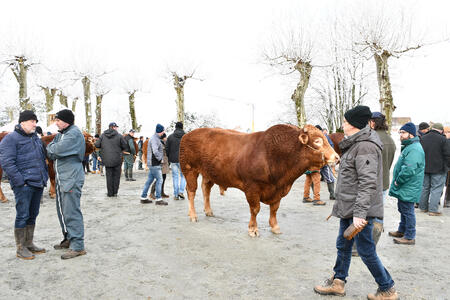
409, 171
67, 150
22, 158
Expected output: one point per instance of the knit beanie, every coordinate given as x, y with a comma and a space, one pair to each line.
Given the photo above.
65, 115
438, 126
27, 115
410, 128
159, 128
358, 116
179, 125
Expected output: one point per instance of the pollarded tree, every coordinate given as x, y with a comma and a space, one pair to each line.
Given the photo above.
179, 80
100, 90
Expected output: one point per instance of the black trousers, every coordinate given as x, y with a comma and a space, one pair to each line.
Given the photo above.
113, 179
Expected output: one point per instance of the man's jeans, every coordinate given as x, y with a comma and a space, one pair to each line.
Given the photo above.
94, 163
179, 182
154, 173
28, 201
433, 184
366, 250
407, 219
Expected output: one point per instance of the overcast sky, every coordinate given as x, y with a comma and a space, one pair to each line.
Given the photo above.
222, 39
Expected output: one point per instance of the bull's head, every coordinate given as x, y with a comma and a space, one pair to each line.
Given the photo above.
89, 140
317, 147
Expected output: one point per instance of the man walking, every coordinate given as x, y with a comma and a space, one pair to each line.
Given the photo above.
111, 144
22, 157
173, 153
67, 150
129, 156
437, 157
140, 145
359, 199
407, 184
154, 159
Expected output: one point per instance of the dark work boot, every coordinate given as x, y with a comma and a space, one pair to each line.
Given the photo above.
29, 234
130, 175
331, 190
22, 251
126, 175
63, 245
376, 231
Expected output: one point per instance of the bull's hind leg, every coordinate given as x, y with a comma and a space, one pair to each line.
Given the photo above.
191, 186
206, 189
253, 201
273, 217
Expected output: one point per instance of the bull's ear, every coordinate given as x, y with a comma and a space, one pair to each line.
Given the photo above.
303, 138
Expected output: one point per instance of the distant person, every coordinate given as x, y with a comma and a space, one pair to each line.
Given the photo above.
155, 155
407, 183
111, 145
326, 172
423, 129
447, 185
130, 155
173, 153
22, 157
437, 157
140, 145
67, 150
164, 169
95, 158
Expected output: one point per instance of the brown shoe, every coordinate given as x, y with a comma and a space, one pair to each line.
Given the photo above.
404, 241
396, 234
63, 245
390, 294
331, 287
307, 200
319, 202
72, 254
434, 214
164, 195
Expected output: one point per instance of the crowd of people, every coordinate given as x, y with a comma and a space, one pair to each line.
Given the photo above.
362, 184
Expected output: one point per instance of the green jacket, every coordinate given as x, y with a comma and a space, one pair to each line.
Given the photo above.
409, 172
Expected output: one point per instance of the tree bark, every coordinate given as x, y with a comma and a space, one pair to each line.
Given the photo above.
98, 114
87, 102
298, 96
74, 104
63, 99
20, 69
178, 83
384, 85
49, 100
134, 124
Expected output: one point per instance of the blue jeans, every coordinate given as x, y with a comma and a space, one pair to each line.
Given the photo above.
28, 201
433, 185
366, 250
407, 219
179, 182
94, 163
154, 173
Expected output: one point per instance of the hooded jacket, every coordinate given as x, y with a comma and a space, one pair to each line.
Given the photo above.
359, 189
407, 179
111, 144
22, 157
437, 152
173, 145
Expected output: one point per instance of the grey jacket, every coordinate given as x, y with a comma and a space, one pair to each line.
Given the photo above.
388, 153
359, 190
155, 147
67, 150
112, 144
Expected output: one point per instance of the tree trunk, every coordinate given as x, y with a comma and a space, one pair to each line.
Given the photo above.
298, 96
98, 114
63, 99
87, 102
178, 83
20, 70
49, 100
74, 104
134, 124
384, 85
10, 111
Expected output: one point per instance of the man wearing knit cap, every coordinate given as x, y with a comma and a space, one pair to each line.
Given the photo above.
155, 154
22, 157
423, 129
437, 160
67, 150
407, 183
359, 199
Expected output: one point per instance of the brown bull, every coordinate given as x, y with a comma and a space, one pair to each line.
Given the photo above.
336, 138
263, 165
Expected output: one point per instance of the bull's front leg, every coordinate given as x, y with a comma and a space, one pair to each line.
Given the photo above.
52, 190
2, 197
253, 201
273, 217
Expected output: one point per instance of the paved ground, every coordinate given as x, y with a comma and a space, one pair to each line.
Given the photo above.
138, 251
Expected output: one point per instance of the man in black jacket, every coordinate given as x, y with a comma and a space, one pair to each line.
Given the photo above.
437, 159
173, 153
112, 144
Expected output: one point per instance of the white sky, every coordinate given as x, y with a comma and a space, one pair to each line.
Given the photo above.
223, 39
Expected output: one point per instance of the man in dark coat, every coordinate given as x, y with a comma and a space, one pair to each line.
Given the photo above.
112, 144
437, 159
129, 156
22, 157
173, 153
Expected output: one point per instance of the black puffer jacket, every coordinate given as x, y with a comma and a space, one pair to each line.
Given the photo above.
173, 145
112, 144
437, 152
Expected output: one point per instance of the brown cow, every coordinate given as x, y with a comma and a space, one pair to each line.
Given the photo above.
263, 165
336, 138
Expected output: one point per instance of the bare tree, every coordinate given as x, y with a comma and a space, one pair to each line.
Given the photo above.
179, 80
100, 90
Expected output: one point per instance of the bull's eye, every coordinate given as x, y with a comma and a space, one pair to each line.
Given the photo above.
318, 142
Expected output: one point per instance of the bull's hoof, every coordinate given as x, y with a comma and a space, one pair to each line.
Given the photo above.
276, 230
253, 233
209, 213
193, 218
3, 200
53, 196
